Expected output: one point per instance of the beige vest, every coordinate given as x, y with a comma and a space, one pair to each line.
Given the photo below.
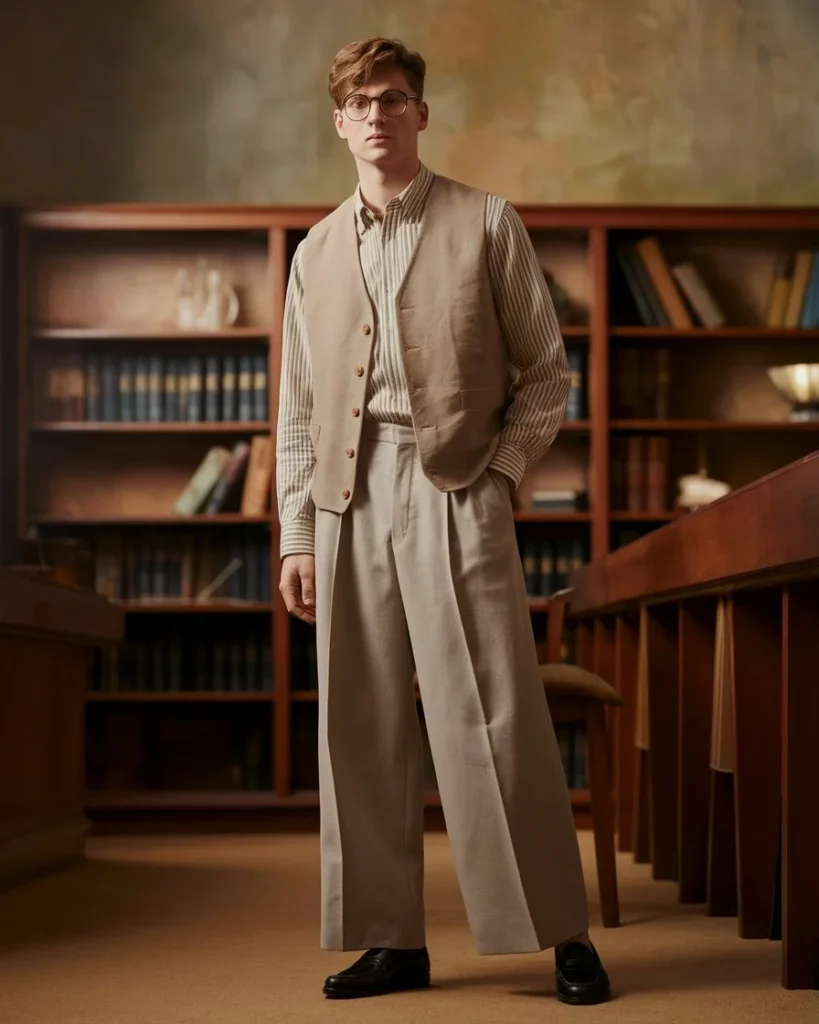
451, 342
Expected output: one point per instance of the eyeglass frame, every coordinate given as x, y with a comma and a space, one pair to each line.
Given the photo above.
401, 92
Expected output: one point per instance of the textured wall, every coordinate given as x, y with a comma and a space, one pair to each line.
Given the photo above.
713, 101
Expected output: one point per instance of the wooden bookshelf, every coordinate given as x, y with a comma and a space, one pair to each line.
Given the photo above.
100, 280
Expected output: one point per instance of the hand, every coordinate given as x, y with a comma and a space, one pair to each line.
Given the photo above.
298, 586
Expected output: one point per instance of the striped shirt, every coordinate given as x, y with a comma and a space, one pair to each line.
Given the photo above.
526, 314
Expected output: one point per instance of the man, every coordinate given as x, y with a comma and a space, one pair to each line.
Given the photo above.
423, 371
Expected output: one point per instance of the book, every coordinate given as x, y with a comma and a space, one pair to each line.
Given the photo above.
699, 297
202, 482
779, 293
658, 271
801, 275
256, 492
229, 478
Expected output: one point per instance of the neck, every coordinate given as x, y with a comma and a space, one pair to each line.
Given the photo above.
381, 184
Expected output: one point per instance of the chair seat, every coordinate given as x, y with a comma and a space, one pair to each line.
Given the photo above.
562, 680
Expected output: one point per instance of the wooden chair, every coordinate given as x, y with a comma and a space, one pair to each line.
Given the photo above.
575, 694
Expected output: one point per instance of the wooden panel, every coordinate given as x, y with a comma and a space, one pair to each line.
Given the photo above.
756, 654
625, 682
663, 716
9, 444
800, 771
696, 667
128, 280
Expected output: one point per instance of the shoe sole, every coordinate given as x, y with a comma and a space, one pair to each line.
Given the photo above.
584, 1000
408, 987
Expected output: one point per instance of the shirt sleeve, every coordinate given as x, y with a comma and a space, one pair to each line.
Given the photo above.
295, 458
534, 344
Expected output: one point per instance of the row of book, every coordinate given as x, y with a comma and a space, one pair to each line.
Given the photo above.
641, 383
660, 290
154, 389
159, 746
793, 300
639, 472
237, 480
547, 564
227, 563
184, 664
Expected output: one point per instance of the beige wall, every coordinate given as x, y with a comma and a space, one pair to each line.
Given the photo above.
576, 101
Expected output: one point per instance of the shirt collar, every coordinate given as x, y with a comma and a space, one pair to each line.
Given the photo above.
409, 204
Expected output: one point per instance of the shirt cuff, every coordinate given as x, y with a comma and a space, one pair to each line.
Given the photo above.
510, 461
298, 537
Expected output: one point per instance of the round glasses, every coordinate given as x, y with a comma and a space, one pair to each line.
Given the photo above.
393, 103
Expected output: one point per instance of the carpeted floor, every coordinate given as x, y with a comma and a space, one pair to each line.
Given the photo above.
224, 930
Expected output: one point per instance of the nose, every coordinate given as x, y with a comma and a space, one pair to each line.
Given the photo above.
375, 115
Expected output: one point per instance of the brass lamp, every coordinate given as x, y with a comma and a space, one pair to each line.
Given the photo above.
799, 383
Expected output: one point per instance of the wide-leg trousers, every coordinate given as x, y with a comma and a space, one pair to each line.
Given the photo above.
411, 578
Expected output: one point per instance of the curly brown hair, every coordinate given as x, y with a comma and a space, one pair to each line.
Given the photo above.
356, 63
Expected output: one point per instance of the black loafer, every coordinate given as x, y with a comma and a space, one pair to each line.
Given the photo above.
580, 978
380, 971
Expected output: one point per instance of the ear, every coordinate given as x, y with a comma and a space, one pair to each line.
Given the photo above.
423, 116
338, 120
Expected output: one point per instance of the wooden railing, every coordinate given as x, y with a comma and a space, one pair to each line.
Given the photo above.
709, 627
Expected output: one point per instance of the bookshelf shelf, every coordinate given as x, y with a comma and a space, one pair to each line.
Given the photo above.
168, 606
715, 425
236, 800
537, 516
122, 334
215, 519
89, 480
666, 516
209, 696
97, 427
717, 333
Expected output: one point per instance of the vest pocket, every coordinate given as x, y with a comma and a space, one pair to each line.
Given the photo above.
478, 398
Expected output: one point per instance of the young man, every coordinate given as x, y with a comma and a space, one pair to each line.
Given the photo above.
423, 371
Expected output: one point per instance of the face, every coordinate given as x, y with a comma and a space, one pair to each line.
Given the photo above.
379, 139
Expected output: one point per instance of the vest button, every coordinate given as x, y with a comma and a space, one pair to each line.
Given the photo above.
366, 329
350, 453
359, 371
356, 412
345, 493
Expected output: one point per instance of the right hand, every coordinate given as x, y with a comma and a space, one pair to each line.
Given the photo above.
298, 586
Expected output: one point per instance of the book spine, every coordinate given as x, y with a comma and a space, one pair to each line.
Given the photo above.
211, 389
260, 387
195, 401
141, 374
155, 389
127, 408
229, 396
245, 389
575, 405
93, 390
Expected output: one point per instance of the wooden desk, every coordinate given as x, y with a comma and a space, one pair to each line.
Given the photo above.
47, 634
710, 628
